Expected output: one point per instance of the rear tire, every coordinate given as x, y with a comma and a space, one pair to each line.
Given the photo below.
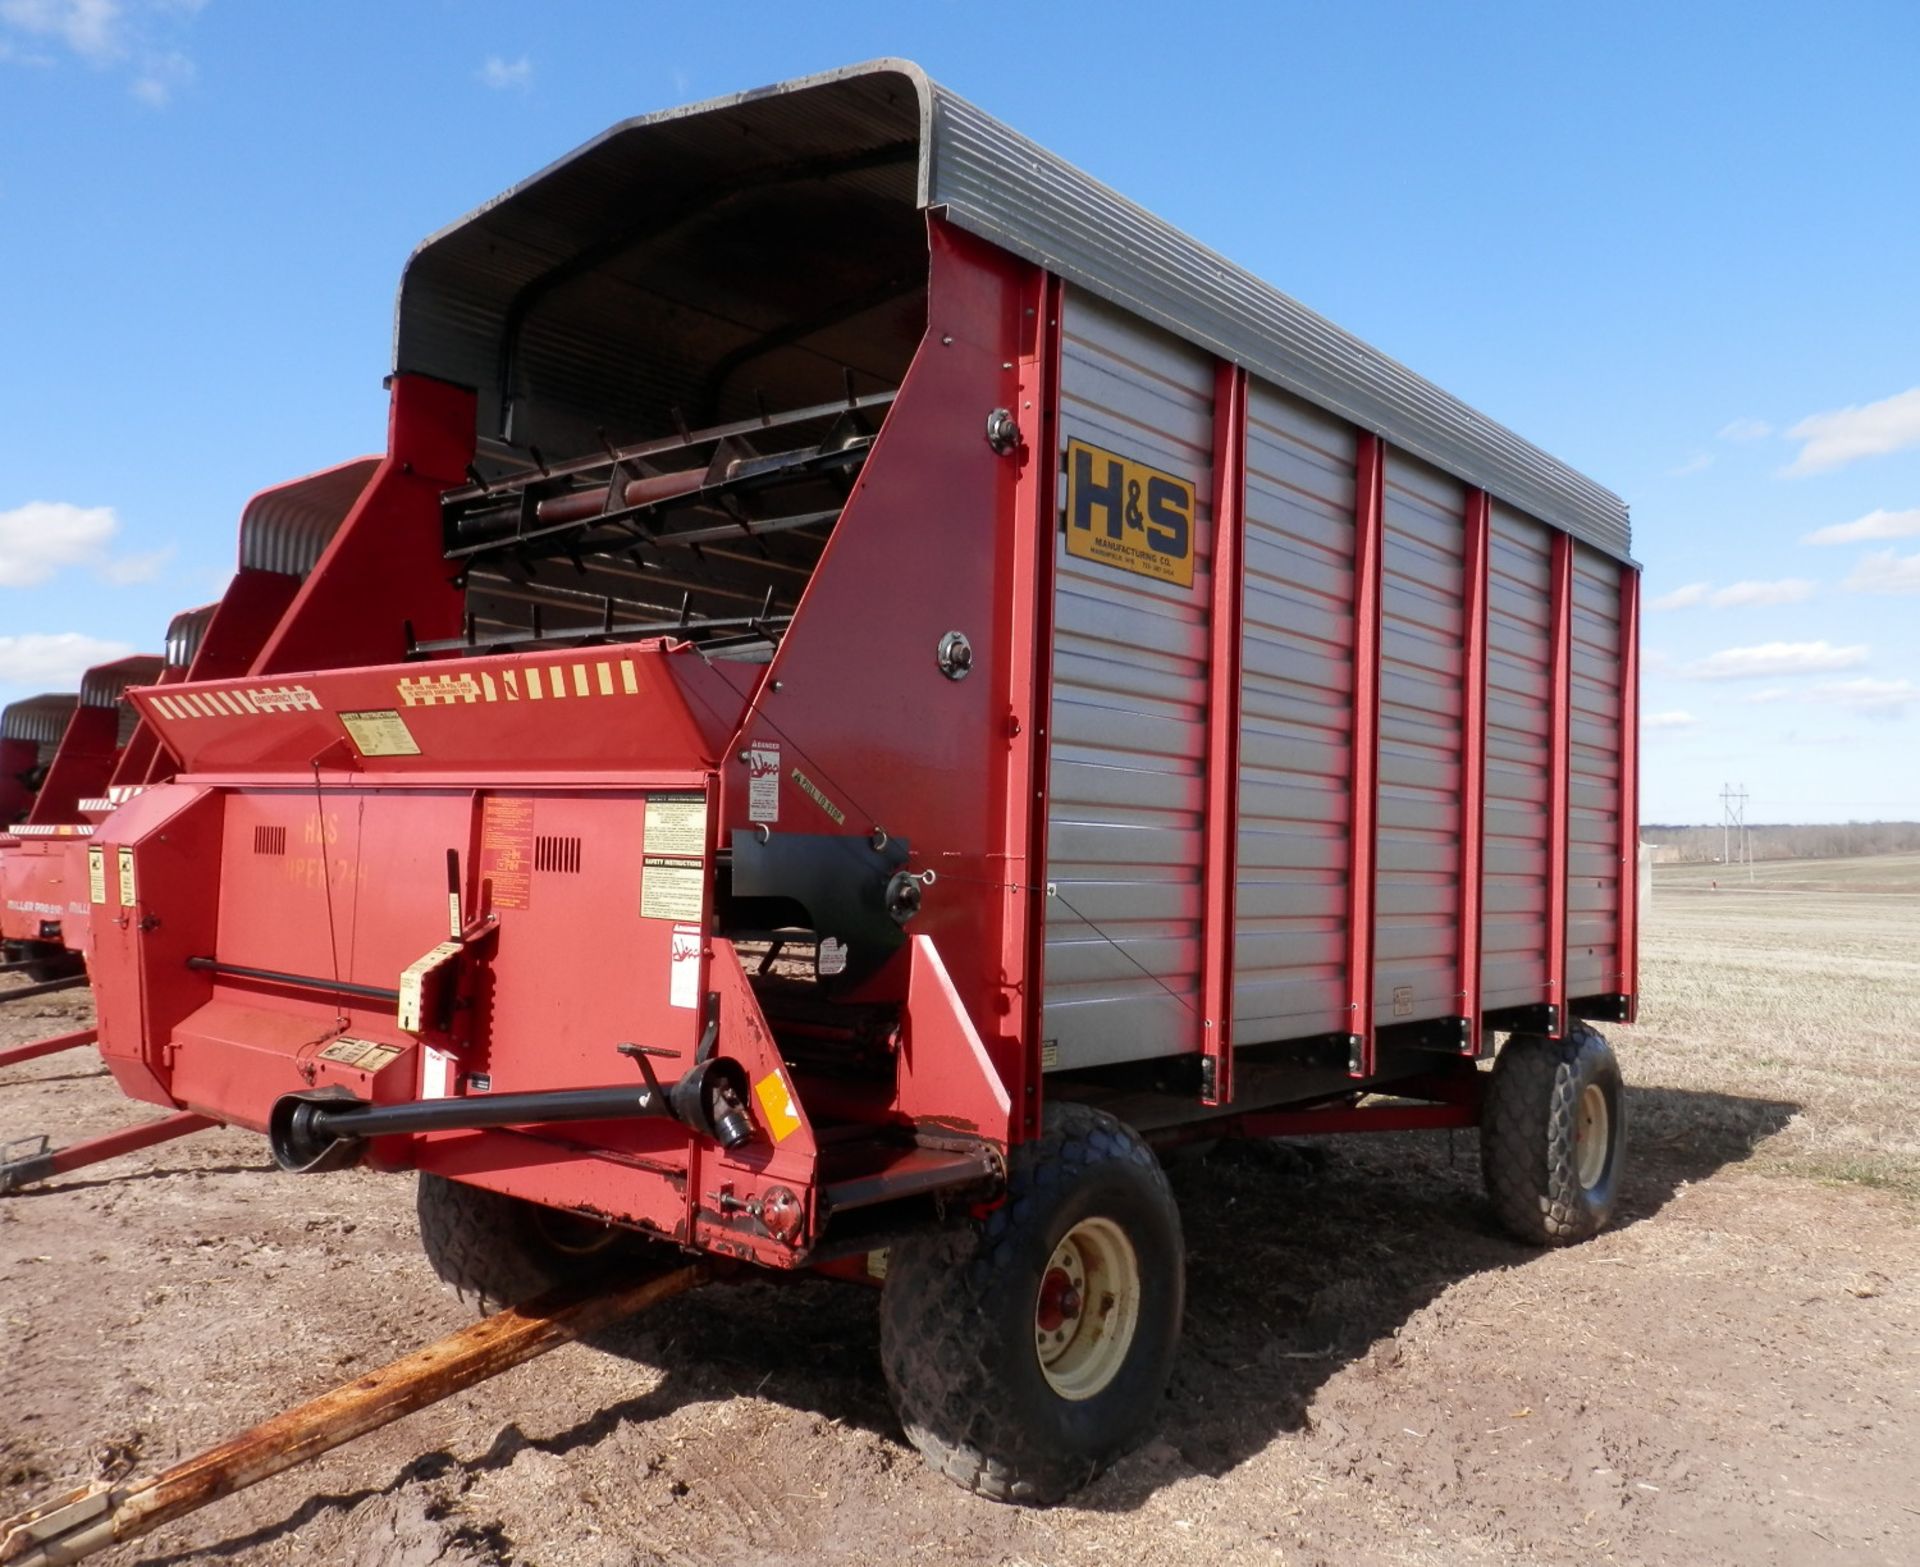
1029, 1348
496, 1251
1553, 1136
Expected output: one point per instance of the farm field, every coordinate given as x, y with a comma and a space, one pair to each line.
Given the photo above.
1370, 1374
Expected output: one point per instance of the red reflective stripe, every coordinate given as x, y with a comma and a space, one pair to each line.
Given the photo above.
1560, 633
1473, 757
1368, 512
1223, 726
1629, 976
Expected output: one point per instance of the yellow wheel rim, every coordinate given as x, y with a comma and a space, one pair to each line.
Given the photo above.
1088, 1309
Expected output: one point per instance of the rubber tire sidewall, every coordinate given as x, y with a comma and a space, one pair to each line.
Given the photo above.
957, 1319
1527, 1126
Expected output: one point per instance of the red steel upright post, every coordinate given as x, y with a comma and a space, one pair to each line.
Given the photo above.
1559, 767
1037, 510
1473, 758
1223, 734
1629, 977
1369, 527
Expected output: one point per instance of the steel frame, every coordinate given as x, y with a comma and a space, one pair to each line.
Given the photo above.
1369, 540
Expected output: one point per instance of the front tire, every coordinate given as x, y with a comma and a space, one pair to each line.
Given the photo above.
1029, 1348
1553, 1136
496, 1251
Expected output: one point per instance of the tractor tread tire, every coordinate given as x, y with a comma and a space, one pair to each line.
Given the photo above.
944, 1343
487, 1247
1527, 1152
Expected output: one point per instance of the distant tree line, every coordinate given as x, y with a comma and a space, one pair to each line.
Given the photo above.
1785, 841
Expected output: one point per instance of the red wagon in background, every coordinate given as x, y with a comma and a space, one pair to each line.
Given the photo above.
875, 683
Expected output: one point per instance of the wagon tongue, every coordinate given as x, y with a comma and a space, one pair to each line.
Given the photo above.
654, 705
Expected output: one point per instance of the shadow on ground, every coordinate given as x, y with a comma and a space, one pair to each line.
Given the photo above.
1300, 1255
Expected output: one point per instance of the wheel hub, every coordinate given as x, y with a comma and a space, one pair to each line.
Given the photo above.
1087, 1308
1591, 1132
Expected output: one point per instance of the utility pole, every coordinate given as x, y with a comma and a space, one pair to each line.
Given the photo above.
1733, 826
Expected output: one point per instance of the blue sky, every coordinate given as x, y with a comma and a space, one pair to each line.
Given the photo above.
1678, 246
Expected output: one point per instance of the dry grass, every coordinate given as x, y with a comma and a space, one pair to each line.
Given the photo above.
1801, 988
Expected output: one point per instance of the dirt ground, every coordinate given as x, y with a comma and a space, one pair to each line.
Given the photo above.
1370, 1373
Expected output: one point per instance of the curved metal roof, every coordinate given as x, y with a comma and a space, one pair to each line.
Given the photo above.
185, 632
288, 527
463, 307
103, 685
41, 719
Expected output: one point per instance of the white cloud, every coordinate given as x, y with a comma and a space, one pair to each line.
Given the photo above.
1875, 525
1775, 658
161, 76
1736, 595
1745, 430
1832, 440
1887, 698
42, 538
1697, 463
139, 35
1674, 720
54, 662
1682, 598
92, 29
502, 74
1744, 595
1885, 572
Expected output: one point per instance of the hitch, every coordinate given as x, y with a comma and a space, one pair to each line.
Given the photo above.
96, 1517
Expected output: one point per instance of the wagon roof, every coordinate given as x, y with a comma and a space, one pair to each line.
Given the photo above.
103, 685
38, 718
286, 527
892, 128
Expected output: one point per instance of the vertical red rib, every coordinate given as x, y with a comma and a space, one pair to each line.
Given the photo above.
1368, 541
1473, 756
1560, 633
1629, 977
1223, 731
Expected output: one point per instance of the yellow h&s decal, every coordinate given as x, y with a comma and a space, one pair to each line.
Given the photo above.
1123, 513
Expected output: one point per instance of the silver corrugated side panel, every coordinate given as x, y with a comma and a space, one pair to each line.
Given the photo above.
1513, 940
1593, 779
1291, 893
460, 286
1126, 787
285, 529
1417, 836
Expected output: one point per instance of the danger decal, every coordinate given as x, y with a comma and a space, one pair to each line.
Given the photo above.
1124, 514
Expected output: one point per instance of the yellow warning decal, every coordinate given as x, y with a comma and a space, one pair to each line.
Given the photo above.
382, 732
776, 1105
813, 792
97, 872
127, 899
1123, 513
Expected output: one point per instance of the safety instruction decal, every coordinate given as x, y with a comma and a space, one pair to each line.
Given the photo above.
1123, 513
677, 824
381, 732
683, 979
97, 872
506, 849
364, 1055
672, 889
126, 877
776, 1105
763, 781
